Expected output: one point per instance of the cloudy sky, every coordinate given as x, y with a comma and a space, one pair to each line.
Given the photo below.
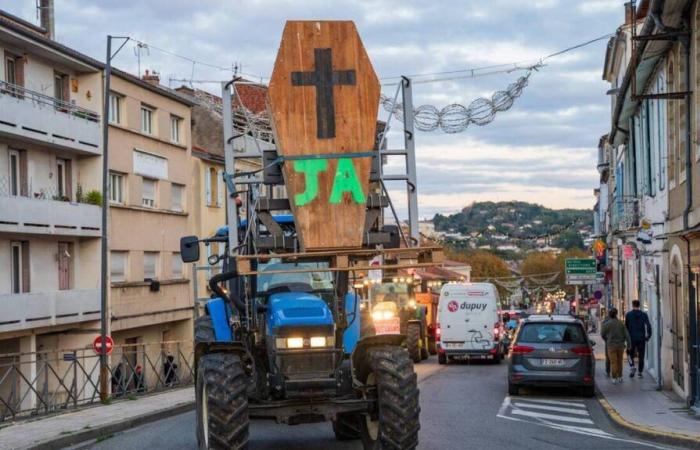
542, 150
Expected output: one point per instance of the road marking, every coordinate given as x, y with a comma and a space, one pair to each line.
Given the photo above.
574, 403
537, 415
575, 411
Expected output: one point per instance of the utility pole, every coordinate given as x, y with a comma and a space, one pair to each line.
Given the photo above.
104, 280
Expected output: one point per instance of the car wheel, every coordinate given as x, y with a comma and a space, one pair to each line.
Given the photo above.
513, 389
442, 359
588, 391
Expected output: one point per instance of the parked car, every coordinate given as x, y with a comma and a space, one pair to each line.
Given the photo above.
469, 325
551, 351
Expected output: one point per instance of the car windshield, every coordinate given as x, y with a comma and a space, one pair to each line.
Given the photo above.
552, 333
389, 292
314, 281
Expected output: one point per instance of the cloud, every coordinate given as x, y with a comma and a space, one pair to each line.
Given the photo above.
542, 150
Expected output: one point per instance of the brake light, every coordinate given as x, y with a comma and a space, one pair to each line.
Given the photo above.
583, 350
438, 332
496, 332
521, 349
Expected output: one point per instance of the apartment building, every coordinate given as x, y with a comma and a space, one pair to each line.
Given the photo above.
150, 209
654, 205
50, 196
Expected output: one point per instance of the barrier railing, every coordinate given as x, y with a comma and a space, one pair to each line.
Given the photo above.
43, 99
44, 382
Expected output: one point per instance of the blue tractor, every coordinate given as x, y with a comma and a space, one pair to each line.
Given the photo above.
284, 344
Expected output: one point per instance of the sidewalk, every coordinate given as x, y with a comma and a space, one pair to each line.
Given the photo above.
62, 430
637, 406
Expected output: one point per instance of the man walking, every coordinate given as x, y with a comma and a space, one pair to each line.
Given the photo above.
639, 328
617, 338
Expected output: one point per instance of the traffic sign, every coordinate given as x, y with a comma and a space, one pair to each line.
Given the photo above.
97, 344
580, 266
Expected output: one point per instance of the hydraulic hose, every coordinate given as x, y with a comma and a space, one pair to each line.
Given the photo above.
214, 286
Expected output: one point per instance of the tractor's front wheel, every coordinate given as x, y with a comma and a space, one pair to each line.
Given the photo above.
395, 423
222, 402
413, 341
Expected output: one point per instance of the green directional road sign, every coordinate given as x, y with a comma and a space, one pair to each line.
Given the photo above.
580, 270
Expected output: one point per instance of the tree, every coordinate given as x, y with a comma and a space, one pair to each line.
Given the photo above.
569, 239
484, 264
537, 263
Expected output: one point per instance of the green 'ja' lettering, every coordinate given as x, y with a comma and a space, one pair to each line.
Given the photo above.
346, 181
310, 168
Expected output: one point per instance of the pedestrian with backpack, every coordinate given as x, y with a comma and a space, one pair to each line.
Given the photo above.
639, 328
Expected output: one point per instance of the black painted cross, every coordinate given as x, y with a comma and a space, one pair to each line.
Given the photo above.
323, 78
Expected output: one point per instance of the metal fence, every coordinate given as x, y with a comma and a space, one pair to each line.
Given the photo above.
46, 382
63, 106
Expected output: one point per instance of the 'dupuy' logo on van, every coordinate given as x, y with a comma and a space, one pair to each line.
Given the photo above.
453, 306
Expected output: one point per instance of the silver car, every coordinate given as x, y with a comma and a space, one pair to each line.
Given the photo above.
551, 351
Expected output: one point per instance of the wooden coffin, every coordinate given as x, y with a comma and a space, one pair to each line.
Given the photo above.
324, 98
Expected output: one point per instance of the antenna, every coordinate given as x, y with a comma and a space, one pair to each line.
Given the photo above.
140, 47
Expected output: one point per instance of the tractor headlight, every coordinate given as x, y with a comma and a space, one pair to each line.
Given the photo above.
412, 303
295, 342
383, 315
318, 341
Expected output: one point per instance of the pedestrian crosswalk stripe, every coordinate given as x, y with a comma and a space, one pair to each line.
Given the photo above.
572, 403
575, 411
538, 415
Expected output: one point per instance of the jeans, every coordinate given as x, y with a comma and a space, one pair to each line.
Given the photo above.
638, 348
616, 354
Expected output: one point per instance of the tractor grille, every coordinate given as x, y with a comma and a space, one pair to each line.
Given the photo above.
307, 364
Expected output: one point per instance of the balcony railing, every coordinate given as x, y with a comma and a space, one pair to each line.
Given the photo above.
40, 309
625, 213
18, 91
37, 117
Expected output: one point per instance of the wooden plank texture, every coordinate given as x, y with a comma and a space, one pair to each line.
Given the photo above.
324, 98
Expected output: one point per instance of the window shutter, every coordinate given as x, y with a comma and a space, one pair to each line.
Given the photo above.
220, 187
26, 271
207, 184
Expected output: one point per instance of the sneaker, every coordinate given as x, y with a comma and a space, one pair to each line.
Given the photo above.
614, 381
633, 370
620, 380
639, 375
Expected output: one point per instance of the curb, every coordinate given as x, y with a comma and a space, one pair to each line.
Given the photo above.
104, 431
665, 437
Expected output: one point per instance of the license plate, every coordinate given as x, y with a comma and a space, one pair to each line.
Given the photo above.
392, 326
552, 362
454, 344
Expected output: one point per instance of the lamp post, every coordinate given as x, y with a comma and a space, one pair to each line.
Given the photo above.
104, 281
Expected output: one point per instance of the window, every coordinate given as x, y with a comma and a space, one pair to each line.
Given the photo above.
117, 266
176, 267
11, 70
148, 193
116, 187
212, 187
150, 265
60, 87
16, 267
14, 173
552, 333
175, 128
115, 108
146, 119
60, 178
176, 191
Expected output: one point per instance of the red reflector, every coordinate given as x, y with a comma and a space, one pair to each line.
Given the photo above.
438, 332
587, 379
584, 350
521, 349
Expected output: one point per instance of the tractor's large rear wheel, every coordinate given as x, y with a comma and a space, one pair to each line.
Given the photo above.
413, 343
395, 423
222, 402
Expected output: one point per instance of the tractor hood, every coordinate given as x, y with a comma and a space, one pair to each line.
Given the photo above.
294, 309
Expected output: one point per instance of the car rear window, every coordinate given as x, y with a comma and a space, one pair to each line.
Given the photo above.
552, 333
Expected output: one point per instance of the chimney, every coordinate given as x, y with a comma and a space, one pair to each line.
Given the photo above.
151, 78
47, 18
629, 13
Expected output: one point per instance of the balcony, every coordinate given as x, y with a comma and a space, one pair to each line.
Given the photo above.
38, 118
43, 216
625, 214
41, 309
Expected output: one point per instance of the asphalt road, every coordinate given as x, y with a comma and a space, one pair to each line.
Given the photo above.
462, 406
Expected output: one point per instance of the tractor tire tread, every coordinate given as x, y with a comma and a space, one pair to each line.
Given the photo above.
227, 400
413, 341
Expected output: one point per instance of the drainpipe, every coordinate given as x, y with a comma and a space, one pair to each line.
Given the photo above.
685, 41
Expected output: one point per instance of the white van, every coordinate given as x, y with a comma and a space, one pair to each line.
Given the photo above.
468, 322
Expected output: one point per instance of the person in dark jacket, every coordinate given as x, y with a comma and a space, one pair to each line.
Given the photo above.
616, 337
639, 328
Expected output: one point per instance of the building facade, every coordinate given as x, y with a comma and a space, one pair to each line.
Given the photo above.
50, 197
649, 173
150, 210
